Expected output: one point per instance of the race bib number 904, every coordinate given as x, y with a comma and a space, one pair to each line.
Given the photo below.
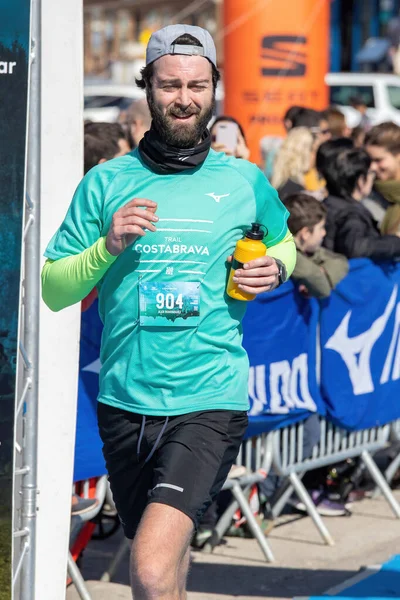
169, 304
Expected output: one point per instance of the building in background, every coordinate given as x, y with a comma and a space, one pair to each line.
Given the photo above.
353, 22
116, 32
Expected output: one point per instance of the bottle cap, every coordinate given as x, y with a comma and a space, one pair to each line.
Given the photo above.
256, 232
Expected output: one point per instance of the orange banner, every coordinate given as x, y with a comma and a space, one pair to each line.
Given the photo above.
276, 55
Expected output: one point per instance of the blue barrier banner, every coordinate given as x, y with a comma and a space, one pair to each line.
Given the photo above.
360, 325
280, 333
89, 460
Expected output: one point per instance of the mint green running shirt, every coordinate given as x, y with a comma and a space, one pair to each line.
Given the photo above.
203, 213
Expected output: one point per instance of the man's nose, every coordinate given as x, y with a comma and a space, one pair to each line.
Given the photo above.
184, 98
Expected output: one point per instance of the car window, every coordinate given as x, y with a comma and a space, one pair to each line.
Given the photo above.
103, 101
394, 96
125, 103
341, 94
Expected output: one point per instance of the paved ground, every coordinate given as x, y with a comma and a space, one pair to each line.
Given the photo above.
236, 569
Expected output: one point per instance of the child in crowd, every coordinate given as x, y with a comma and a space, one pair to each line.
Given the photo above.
318, 270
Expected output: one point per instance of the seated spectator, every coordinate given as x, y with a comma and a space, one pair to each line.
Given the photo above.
317, 270
294, 159
241, 150
351, 229
383, 146
336, 123
103, 141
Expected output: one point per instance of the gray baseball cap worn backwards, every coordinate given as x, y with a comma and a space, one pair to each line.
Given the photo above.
162, 43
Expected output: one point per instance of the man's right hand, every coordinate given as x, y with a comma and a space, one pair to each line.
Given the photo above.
129, 223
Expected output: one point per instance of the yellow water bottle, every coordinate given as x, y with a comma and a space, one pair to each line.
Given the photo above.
247, 249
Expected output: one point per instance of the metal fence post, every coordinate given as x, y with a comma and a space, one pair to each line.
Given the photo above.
29, 344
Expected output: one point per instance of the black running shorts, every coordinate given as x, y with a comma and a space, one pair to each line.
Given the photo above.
181, 461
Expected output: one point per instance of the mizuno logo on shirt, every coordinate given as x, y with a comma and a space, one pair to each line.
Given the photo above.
217, 198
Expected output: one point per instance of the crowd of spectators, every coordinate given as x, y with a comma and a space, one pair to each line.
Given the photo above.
355, 176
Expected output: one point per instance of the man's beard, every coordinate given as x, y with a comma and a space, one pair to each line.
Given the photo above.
180, 135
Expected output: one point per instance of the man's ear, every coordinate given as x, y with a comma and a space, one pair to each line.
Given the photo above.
101, 161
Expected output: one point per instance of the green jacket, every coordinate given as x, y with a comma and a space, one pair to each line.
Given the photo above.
390, 190
321, 272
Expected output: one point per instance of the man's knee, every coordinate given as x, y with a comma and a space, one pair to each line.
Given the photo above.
159, 550
152, 575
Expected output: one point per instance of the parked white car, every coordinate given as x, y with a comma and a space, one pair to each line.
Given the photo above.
379, 91
104, 102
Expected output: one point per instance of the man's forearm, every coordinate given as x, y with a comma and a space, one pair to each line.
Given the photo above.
69, 280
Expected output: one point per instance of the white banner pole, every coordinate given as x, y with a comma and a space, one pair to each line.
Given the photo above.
61, 170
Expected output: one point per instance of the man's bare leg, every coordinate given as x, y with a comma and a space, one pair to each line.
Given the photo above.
159, 556
183, 573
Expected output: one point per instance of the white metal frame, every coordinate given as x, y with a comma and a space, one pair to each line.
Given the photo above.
25, 476
335, 445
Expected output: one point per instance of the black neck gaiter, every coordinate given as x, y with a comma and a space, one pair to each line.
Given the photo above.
164, 159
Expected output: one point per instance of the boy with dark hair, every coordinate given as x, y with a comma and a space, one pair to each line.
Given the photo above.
317, 270
103, 141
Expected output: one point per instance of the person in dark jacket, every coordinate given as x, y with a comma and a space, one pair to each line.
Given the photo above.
327, 153
350, 228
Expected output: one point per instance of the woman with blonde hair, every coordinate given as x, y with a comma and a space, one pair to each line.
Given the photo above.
294, 159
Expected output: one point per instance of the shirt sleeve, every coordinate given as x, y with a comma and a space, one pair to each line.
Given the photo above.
270, 211
83, 223
69, 280
285, 251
